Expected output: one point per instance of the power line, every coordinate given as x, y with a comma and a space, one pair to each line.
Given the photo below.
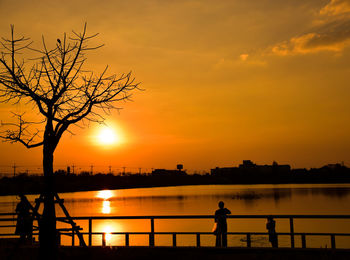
32, 169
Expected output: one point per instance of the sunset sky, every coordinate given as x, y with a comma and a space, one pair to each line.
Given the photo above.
223, 81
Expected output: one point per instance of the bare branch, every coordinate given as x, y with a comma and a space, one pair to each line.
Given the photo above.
56, 83
20, 133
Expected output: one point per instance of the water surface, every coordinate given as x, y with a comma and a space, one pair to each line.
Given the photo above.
203, 200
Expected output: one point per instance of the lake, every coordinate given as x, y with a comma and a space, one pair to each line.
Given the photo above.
203, 200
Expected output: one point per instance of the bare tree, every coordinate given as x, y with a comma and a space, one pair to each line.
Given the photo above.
55, 84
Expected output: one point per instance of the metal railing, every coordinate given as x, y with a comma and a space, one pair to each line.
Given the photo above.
6, 217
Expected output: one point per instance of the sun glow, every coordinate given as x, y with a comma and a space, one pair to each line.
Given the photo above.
107, 136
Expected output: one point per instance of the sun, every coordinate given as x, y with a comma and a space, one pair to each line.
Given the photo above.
107, 136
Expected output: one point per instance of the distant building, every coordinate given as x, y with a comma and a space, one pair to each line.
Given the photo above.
165, 172
334, 166
247, 164
251, 168
224, 171
179, 167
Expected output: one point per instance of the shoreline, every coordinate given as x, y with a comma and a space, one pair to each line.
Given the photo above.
64, 181
34, 185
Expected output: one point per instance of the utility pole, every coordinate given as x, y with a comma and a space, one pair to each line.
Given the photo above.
110, 169
124, 170
91, 169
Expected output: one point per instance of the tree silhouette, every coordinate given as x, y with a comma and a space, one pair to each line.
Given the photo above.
62, 93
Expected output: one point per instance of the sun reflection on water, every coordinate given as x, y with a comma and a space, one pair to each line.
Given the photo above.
106, 207
105, 194
106, 204
108, 227
108, 230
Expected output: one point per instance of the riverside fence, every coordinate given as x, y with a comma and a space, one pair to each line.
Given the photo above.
8, 223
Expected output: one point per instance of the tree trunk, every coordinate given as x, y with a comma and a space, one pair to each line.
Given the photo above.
47, 229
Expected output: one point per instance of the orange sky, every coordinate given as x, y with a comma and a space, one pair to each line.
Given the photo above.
224, 80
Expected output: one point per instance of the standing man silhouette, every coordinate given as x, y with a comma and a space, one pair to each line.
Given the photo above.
271, 227
220, 219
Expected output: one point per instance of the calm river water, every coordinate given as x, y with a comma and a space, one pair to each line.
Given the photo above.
203, 200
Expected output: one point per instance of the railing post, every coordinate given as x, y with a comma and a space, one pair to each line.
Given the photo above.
198, 240
126, 239
73, 237
151, 236
104, 239
303, 241
174, 239
291, 232
249, 242
90, 231
58, 239
333, 241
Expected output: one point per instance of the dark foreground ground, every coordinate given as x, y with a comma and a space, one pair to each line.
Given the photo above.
170, 253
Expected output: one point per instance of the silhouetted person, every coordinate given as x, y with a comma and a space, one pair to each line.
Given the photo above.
221, 230
271, 227
24, 226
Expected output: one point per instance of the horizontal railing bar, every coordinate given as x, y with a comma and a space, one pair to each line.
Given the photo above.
209, 216
10, 234
172, 217
317, 234
8, 214
210, 233
194, 233
189, 217
8, 219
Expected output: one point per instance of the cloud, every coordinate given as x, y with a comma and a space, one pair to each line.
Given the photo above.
336, 7
331, 33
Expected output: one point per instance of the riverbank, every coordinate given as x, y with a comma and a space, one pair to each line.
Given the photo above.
74, 183
183, 253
